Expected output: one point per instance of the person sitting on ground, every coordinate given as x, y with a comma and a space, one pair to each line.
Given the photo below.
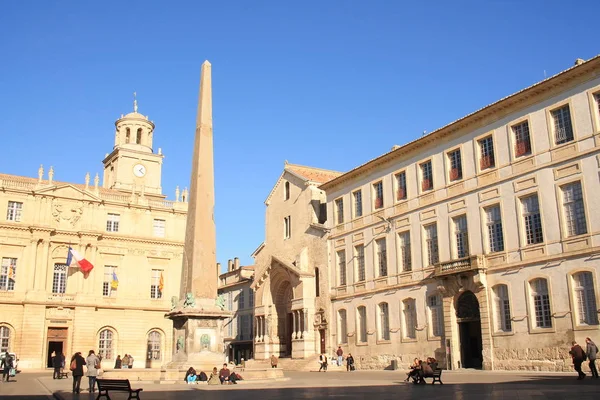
214, 377
226, 376
349, 362
190, 376
414, 369
202, 377
118, 362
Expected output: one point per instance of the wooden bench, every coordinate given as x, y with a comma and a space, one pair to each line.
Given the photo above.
116, 385
63, 374
437, 377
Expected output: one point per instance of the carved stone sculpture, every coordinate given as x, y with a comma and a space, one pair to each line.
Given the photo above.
180, 343
220, 302
190, 301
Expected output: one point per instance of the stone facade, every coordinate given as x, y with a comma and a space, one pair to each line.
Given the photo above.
234, 287
291, 296
477, 243
125, 228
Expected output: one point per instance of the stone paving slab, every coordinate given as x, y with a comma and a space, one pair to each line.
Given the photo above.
363, 384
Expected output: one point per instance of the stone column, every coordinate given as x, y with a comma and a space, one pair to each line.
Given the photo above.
302, 323
305, 327
294, 325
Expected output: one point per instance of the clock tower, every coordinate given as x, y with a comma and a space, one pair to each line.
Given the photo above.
133, 165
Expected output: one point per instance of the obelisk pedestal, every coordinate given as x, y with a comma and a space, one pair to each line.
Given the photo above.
197, 316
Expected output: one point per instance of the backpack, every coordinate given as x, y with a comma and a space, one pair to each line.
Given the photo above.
97, 363
73, 365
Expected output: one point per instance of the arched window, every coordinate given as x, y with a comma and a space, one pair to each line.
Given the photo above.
4, 339
585, 297
138, 138
154, 345
410, 319
384, 322
286, 191
127, 135
502, 304
342, 327
541, 303
105, 344
362, 324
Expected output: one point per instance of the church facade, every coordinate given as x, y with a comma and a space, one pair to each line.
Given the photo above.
125, 227
478, 243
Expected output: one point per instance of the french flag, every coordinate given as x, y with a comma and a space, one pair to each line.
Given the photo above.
74, 259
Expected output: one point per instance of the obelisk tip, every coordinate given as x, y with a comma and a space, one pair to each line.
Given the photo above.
206, 63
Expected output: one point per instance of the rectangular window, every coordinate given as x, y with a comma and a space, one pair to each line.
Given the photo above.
503, 318
112, 222
378, 194
14, 210
362, 324
563, 128
574, 210
410, 319
597, 97
486, 148
384, 322
431, 243
381, 256
522, 139
585, 295
159, 227
426, 176
109, 285
358, 211
59, 279
359, 256
8, 273
405, 256
341, 262
241, 300
455, 165
250, 298
541, 303
156, 284
230, 301
532, 219
461, 236
230, 328
435, 314
339, 211
342, 326
287, 227
400, 186
494, 228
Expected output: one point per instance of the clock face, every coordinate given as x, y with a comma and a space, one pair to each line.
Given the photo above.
139, 170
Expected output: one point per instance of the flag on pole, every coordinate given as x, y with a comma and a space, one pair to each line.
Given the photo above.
115, 281
161, 283
75, 260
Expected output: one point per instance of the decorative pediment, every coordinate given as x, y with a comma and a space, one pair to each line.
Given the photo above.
277, 262
68, 191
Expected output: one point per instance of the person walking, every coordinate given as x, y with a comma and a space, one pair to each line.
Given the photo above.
6, 365
57, 365
77, 363
273, 361
130, 363
578, 358
340, 356
349, 362
592, 350
92, 362
323, 362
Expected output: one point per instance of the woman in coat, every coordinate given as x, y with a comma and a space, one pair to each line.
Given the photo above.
77, 363
93, 365
214, 377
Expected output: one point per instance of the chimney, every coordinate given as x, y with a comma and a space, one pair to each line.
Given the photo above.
229, 265
236, 263
219, 268
579, 61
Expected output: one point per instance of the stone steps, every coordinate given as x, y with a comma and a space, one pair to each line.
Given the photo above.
295, 364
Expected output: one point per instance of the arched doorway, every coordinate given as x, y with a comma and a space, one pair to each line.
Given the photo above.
469, 328
282, 299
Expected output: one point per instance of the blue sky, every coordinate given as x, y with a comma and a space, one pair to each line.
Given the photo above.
329, 84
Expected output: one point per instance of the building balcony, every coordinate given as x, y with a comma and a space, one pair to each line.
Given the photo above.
459, 265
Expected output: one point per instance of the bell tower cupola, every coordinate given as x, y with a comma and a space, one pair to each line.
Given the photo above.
133, 166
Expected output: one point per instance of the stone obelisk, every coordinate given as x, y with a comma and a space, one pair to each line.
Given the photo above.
197, 315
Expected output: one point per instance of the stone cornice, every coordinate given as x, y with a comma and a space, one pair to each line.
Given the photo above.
482, 117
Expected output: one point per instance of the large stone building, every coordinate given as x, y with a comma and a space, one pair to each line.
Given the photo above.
234, 286
477, 243
291, 295
125, 228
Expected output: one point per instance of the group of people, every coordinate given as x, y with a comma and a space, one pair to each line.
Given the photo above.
579, 356
124, 363
420, 369
224, 376
92, 363
339, 359
8, 366
58, 363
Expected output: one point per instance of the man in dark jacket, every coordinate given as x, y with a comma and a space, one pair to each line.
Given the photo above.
56, 364
6, 365
349, 362
592, 350
578, 357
